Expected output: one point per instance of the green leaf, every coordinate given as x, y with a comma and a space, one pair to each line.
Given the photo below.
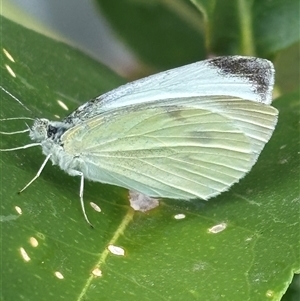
253, 258
171, 33
276, 25
287, 70
162, 33
250, 27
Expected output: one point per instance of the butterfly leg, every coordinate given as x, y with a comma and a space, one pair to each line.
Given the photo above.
81, 189
37, 175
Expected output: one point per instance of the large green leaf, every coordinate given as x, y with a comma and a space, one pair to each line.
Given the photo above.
253, 258
162, 33
170, 33
276, 25
250, 27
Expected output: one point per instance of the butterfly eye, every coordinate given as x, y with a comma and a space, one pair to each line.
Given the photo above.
51, 131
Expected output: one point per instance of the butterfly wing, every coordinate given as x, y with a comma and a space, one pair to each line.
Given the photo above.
238, 76
176, 148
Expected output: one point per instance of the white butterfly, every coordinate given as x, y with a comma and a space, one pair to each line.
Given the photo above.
190, 132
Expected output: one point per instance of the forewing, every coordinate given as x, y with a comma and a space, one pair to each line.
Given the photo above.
237, 76
196, 147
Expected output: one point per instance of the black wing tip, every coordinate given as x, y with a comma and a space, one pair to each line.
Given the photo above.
258, 72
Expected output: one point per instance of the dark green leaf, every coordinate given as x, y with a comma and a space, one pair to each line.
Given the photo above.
162, 33
276, 25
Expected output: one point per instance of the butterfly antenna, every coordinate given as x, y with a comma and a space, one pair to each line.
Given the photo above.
15, 98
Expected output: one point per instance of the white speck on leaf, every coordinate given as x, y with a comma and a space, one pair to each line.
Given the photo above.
116, 250
217, 228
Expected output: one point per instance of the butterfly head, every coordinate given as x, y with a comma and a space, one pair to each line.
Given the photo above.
44, 129
38, 132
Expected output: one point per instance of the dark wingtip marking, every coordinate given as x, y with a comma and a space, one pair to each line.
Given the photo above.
259, 72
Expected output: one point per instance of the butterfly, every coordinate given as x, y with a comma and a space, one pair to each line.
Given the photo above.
189, 132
